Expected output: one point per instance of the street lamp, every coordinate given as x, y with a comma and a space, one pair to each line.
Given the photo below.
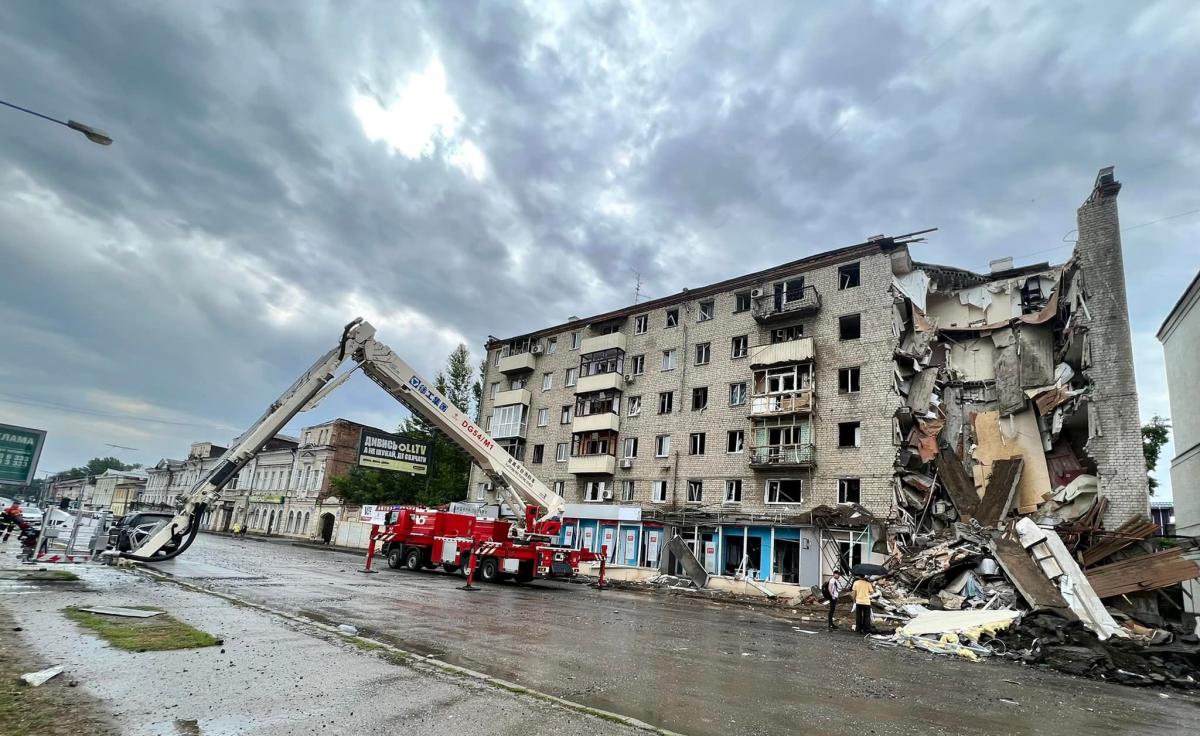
93, 134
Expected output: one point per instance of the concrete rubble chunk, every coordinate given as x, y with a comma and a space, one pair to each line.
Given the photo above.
40, 677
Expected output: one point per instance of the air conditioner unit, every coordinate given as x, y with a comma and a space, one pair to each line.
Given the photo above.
487, 486
537, 349
629, 378
606, 495
756, 292
627, 462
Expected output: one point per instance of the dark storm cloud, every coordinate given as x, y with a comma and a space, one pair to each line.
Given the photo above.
199, 263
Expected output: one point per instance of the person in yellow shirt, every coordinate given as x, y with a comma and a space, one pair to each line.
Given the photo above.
862, 590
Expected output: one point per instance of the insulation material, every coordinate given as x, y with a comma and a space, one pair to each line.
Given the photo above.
1013, 436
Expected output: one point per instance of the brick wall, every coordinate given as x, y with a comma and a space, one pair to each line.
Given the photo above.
1115, 442
873, 406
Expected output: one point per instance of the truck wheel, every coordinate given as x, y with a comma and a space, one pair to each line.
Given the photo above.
489, 570
450, 567
394, 558
413, 559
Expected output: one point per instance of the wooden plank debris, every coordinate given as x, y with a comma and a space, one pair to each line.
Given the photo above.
1026, 576
1000, 491
1146, 572
1134, 530
958, 486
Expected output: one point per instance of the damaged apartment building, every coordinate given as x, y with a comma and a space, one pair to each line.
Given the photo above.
792, 420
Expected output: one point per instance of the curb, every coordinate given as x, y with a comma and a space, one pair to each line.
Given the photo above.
418, 661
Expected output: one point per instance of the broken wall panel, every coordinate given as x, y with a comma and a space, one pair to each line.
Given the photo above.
1008, 372
1016, 435
1035, 349
1000, 492
974, 359
958, 486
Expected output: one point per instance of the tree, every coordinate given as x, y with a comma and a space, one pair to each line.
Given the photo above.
1155, 434
450, 467
95, 466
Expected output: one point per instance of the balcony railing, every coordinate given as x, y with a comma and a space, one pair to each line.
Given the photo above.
592, 464
517, 363
795, 402
783, 456
795, 303
504, 430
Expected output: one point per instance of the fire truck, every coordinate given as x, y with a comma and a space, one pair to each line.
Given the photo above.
523, 547
420, 538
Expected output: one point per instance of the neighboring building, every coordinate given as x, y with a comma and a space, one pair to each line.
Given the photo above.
1180, 337
284, 489
735, 414
74, 490
118, 490
1163, 514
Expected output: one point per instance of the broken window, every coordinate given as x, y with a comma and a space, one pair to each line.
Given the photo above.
631, 445
848, 276
737, 393
741, 346
598, 402
672, 317
596, 490
564, 416
610, 328
560, 487
594, 443
517, 383
699, 398
695, 491
703, 353
659, 492
850, 327
697, 445
668, 359
735, 441
785, 490
627, 490
849, 434
733, 491
786, 334
666, 402
662, 445
551, 345
641, 323
538, 452
706, 311
575, 340
741, 301
547, 381
635, 405
514, 447
639, 364
495, 389
848, 379
848, 490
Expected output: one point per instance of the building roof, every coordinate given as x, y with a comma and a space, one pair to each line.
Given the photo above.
1186, 301
818, 260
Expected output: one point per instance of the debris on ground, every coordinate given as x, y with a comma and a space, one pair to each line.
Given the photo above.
33, 679
126, 612
348, 629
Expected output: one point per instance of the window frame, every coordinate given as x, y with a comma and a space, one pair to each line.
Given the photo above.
706, 310
572, 376
539, 455
853, 379
668, 398
670, 356
662, 445
843, 489
706, 349
637, 365
737, 301
671, 320
697, 485
547, 381
849, 272
767, 492
745, 386
697, 443
658, 491
641, 324
857, 427
695, 393
635, 406
731, 483
576, 339
625, 447
562, 451
628, 491
567, 414
551, 345
857, 317
543, 417
741, 443
733, 347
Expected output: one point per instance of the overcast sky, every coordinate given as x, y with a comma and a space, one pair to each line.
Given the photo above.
454, 170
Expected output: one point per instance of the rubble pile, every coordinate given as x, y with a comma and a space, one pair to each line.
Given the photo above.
1157, 658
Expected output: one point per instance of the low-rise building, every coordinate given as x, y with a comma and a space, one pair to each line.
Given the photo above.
118, 491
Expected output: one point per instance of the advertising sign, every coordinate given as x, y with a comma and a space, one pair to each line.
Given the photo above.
568, 536
653, 538
631, 550
588, 535
20, 448
609, 537
393, 452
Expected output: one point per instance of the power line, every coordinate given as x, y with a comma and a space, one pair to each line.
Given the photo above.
11, 399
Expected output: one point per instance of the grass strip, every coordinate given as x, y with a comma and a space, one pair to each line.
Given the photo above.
159, 633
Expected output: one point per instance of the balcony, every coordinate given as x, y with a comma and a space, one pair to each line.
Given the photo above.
515, 396
786, 305
519, 363
783, 456
600, 382
592, 464
774, 405
605, 421
611, 341
782, 353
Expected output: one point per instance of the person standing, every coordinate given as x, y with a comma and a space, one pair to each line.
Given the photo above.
863, 590
833, 589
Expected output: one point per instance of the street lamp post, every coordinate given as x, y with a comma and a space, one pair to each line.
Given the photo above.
94, 135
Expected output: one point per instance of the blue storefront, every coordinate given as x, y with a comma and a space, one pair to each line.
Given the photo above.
618, 530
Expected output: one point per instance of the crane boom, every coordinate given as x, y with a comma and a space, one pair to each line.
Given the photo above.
156, 538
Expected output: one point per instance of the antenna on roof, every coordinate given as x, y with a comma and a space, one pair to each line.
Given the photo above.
637, 289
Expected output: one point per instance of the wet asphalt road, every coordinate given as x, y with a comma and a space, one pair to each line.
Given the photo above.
691, 666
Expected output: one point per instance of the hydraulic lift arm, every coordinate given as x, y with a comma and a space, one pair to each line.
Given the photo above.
153, 538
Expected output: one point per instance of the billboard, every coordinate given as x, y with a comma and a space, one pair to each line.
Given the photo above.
20, 448
393, 452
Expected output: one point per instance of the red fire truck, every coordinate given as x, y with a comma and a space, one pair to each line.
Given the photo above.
420, 538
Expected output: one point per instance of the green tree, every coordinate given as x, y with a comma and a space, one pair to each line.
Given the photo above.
450, 467
95, 466
1155, 434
